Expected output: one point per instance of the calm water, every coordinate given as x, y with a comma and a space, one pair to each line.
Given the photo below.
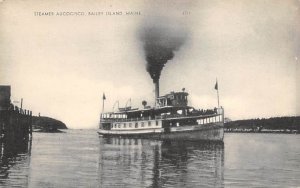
79, 158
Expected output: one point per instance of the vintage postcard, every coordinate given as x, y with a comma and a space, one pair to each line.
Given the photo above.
149, 93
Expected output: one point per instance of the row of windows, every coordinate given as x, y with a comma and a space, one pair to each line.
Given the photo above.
210, 120
136, 124
120, 116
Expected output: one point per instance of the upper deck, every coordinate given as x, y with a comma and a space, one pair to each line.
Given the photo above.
167, 112
171, 106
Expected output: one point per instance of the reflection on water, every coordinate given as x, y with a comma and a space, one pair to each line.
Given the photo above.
14, 163
82, 159
150, 163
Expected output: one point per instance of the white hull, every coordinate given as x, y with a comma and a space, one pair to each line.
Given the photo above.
209, 132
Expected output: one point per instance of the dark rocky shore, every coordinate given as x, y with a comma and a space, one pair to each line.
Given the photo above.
47, 124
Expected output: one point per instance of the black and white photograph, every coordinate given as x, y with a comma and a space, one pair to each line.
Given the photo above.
150, 93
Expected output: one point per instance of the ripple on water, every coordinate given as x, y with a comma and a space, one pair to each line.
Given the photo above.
82, 159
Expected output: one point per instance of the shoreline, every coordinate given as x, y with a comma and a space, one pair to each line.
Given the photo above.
263, 131
47, 131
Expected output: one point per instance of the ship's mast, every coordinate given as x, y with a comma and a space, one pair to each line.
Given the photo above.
156, 83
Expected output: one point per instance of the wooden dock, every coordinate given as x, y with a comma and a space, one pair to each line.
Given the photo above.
15, 122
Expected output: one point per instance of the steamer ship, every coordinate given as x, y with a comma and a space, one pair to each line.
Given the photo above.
171, 118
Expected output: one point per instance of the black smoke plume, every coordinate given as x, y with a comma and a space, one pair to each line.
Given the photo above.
160, 43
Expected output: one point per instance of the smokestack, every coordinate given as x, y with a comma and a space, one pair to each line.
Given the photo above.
160, 39
156, 89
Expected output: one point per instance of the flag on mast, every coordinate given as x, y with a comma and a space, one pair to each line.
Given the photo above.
217, 88
216, 85
103, 98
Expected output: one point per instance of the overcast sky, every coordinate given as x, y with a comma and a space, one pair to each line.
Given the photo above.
61, 65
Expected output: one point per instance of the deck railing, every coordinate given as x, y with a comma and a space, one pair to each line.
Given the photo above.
217, 112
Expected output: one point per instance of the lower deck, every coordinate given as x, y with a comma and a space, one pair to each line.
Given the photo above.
212, 131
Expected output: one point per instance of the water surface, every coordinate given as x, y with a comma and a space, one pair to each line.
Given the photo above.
79, 158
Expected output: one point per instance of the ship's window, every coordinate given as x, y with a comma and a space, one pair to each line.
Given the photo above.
156, 123
115, 125
130, 124
142, 124
179, 112
119, 125
124, 125
149, 123
136, 125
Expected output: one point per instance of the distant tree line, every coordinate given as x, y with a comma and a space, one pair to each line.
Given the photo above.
257, 125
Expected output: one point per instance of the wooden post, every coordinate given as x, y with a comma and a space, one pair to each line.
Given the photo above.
21, 103
30, 126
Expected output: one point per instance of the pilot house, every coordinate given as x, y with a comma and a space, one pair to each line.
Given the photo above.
172, 99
